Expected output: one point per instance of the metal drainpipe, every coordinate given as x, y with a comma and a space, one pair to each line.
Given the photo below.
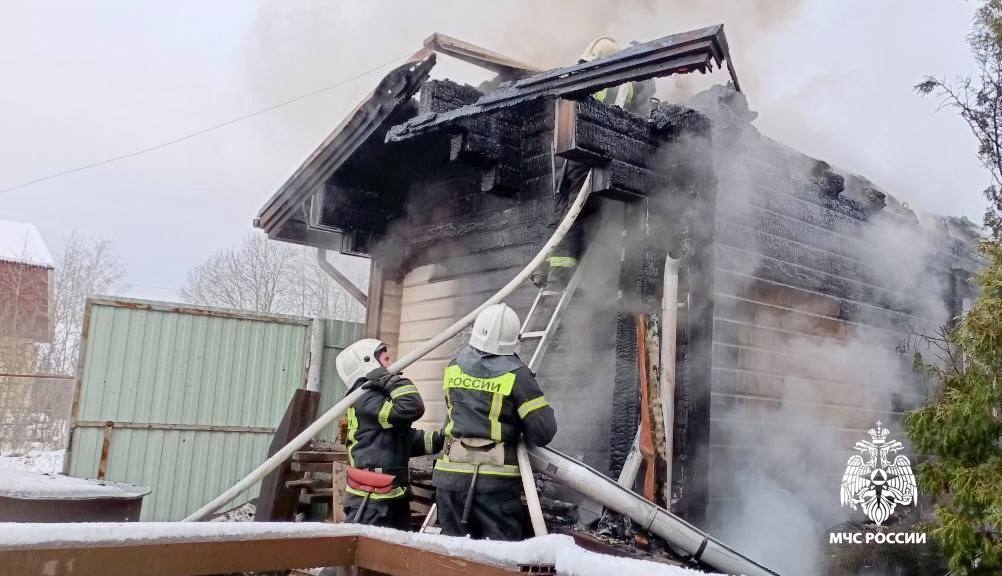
316, 355
669, 321
340, 278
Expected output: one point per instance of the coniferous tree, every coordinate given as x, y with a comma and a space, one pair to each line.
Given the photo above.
959, 436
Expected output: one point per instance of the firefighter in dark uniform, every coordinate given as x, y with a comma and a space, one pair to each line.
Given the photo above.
493, 401
380, 438
635, 97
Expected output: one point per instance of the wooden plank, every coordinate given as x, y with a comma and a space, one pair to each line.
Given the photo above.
338, 482
182, 559
246, 554
336, 455
386, 557
275, 502
102, 466
478, 56
322, 467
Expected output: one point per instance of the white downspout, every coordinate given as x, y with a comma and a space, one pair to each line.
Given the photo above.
316, 355
340, 278
669, 322
338, 409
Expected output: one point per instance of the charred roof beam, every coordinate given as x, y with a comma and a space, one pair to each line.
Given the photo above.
697, 50
674, 54
506, 67
281, 216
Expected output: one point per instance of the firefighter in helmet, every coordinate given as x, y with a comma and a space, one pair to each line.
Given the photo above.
634, 97
493, 401
380, 438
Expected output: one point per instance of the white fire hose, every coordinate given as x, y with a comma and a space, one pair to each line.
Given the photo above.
681, 535
335, 412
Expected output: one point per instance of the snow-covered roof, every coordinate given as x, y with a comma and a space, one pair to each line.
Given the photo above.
20, 242
559, 550
35, 486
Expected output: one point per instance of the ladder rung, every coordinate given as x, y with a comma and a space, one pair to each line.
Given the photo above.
552, 292
530, 335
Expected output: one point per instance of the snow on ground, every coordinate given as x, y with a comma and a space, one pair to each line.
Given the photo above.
243, 513
44, 461
35, 485
558, 550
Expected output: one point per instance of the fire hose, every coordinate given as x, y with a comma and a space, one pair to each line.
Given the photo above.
681, 535
341, 407
577, 476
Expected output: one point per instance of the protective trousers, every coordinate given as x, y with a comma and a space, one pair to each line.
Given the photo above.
495, 515
574, 174
392, 513
559, 267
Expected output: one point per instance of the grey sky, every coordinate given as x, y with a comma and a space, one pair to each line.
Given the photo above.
86, 81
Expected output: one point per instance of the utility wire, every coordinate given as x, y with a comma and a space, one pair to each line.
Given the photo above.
202, 131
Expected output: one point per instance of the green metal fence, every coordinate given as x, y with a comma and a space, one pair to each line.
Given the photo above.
185, 400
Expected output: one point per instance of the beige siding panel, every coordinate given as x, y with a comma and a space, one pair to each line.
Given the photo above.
426, 309
428, 370
421, 330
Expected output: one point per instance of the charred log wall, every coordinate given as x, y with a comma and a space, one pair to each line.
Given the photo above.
821, 285
480, 214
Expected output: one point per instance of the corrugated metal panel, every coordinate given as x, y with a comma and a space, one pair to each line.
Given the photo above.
337, 336
176, 367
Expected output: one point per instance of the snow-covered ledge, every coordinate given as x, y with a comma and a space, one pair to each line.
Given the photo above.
556, 550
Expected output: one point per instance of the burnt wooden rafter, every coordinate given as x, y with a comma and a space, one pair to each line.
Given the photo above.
393, 92
506, 66
693, 51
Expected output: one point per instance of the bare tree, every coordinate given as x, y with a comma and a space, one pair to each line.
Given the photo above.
978, 100
246, 278
267, 276
86, 267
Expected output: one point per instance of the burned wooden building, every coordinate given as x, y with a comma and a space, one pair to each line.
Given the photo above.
448, 188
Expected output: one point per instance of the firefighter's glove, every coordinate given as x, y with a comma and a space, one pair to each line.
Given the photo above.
379, 379
538, 278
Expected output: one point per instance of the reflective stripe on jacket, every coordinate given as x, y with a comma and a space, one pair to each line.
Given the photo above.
380, 436
609, 95
495, 405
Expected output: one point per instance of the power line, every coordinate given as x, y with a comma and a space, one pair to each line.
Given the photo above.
202, 131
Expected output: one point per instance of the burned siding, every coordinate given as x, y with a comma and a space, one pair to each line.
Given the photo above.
822, 287
803, 288
482, 213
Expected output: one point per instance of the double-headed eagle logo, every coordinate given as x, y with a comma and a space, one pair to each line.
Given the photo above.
876, 483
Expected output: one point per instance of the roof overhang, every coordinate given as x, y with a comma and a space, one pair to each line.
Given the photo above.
287, 214
694, 51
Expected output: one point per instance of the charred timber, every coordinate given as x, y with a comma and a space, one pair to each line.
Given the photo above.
391, 95
697, 50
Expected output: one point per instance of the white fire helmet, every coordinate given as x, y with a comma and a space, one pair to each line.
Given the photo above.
601, 47
495, 331
359, 359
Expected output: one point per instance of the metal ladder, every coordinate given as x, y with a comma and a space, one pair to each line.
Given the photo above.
545, 336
